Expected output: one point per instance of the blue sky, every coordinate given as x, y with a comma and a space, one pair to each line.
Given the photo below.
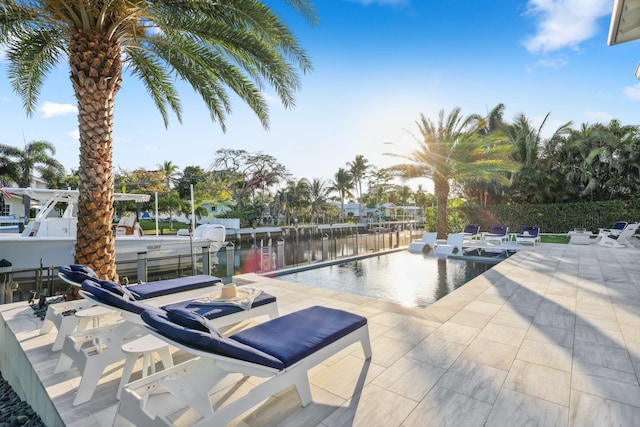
378, 64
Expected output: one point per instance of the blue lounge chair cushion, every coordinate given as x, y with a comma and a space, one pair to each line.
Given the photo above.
278, 343
293, 337
170, 286
116, 289
215, 311
191, 320
471, 229
77, 273
122, 301
498, 230
532, 231
179, 329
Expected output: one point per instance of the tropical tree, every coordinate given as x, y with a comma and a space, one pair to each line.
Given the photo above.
317, 194
171, 174
342, 184
451, 151
236, 45
358, 169
533, 181
20, 164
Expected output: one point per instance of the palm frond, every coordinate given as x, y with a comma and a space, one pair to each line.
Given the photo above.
31, 57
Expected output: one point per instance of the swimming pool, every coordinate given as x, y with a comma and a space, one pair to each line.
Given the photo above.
413, 280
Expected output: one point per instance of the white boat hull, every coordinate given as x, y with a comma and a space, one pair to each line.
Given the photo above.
26, 253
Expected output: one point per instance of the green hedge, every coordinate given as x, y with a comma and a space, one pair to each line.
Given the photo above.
554, 218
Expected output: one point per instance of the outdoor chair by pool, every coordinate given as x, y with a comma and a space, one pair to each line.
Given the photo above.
427, 242
528, 234
616, 229
471, 232
498, 233
92, 351
62, 315
282, 350
620, 240
453, 245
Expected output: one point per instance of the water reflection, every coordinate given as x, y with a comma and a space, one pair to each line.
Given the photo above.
401, 277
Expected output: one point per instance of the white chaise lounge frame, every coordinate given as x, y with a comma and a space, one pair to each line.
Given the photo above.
192, 382
428, 239
454, 244
93, 350
620, 240
67, 324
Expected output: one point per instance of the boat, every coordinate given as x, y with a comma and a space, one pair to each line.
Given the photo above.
49, 240
10, 224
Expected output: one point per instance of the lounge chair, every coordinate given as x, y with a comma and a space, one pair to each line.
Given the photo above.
620, 240
184, 394
471, 232
427, 242
528, 234
453, 245
498, 233
616, 229
95, 349
61, 315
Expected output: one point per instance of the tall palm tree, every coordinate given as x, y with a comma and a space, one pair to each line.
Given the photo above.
237, 45
342, 184
318, 191
451, 151
358, 170
171, 173
20, 164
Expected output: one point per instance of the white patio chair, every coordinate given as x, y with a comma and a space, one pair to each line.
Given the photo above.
92, 351
620, 240
187, 390
528, 234
498, 233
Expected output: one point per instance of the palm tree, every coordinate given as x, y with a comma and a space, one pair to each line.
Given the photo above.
342, 184
20, 164
317, 197
453, 151
215, 47
532, 183
358, 170
171, 173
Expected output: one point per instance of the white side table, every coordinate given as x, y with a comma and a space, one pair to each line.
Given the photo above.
145, 346
580, 237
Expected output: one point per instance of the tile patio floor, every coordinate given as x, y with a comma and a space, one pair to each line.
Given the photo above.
549, 337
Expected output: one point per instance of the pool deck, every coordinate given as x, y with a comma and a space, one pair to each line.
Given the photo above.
548, 337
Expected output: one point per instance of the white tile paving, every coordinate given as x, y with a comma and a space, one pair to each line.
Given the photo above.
548, 337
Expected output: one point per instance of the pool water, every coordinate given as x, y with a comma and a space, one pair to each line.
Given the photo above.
413, 280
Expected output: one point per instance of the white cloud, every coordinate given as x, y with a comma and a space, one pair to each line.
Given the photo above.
632, 92
564, 23
271, 99
558, 62
52, 109
599, 116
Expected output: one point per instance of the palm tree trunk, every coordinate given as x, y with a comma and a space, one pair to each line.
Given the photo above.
441, 190
96, 73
